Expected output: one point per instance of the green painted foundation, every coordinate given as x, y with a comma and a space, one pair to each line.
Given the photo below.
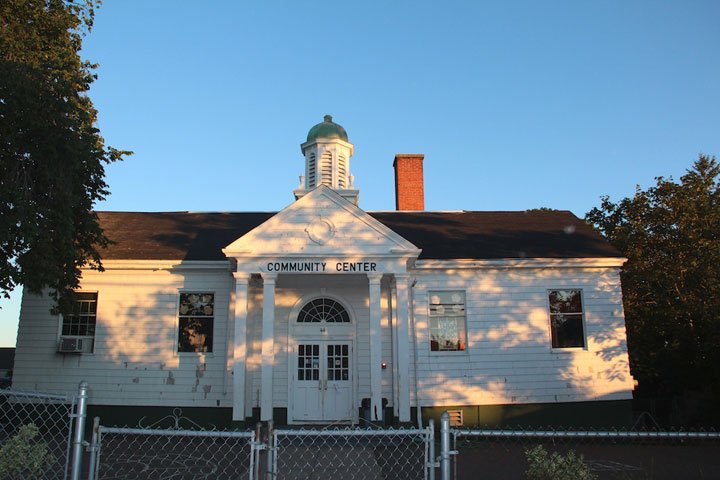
600, 414
165, 417
162, 417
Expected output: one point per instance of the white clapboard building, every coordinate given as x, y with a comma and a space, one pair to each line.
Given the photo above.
325, 313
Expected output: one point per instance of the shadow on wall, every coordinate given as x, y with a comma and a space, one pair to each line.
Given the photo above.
512, 372
509, 359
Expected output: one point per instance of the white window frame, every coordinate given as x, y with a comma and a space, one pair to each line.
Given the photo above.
464, 317
582, 314
179, 316
61, 324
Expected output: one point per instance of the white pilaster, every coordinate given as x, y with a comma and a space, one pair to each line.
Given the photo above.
403, 356
240, 347
375, 348
268, 346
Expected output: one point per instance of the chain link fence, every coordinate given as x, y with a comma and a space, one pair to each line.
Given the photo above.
137, 454
41, 436
350, 454
625, 455
35, 434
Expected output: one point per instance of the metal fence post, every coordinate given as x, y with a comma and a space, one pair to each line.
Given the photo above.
455, 450
274, 440
258, 439
445, 445
79, 431
94, 447
432, 461
269, 474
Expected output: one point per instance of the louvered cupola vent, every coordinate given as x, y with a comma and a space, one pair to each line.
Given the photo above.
311, 170
342, 172
326, 169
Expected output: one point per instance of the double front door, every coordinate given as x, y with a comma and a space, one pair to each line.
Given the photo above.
323, 386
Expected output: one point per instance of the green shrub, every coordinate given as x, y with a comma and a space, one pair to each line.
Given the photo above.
22, 457
556, 466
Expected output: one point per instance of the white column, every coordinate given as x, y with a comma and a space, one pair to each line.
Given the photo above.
268, 346
403, 368
392, 301
240, 347
375, 348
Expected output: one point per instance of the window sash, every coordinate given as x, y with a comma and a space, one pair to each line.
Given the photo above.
81, 322
447, 320
447, 334
567, 328
196, 322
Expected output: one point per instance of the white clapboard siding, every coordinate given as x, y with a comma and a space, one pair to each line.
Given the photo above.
509, 358
135, 359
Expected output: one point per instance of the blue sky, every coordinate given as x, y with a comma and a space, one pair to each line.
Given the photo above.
516, 105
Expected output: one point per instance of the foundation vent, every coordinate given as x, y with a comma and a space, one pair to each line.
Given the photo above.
456, 418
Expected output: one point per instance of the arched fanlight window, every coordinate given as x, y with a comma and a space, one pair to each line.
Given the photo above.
323, 310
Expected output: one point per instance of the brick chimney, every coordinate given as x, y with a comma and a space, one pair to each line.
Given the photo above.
409, 184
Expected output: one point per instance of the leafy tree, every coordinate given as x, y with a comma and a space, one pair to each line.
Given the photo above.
670, 234
51, 155
24, 456
556, 466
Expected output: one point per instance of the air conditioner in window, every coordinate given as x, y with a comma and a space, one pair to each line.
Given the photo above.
75, 345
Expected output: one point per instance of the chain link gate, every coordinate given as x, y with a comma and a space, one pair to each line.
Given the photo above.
144, 453
350, 453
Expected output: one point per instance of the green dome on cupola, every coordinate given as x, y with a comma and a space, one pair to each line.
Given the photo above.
327, 129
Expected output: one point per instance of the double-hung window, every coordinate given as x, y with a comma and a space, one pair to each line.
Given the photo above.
447, 321
196, 316
78, 326
566, 318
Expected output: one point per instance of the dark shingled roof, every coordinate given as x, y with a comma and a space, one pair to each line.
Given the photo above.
440, 235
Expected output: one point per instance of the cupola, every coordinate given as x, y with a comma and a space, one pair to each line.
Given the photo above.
327, 155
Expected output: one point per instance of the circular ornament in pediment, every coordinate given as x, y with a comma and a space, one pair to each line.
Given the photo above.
321, 230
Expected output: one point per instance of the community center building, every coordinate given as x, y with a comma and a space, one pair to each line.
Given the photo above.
325, 313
